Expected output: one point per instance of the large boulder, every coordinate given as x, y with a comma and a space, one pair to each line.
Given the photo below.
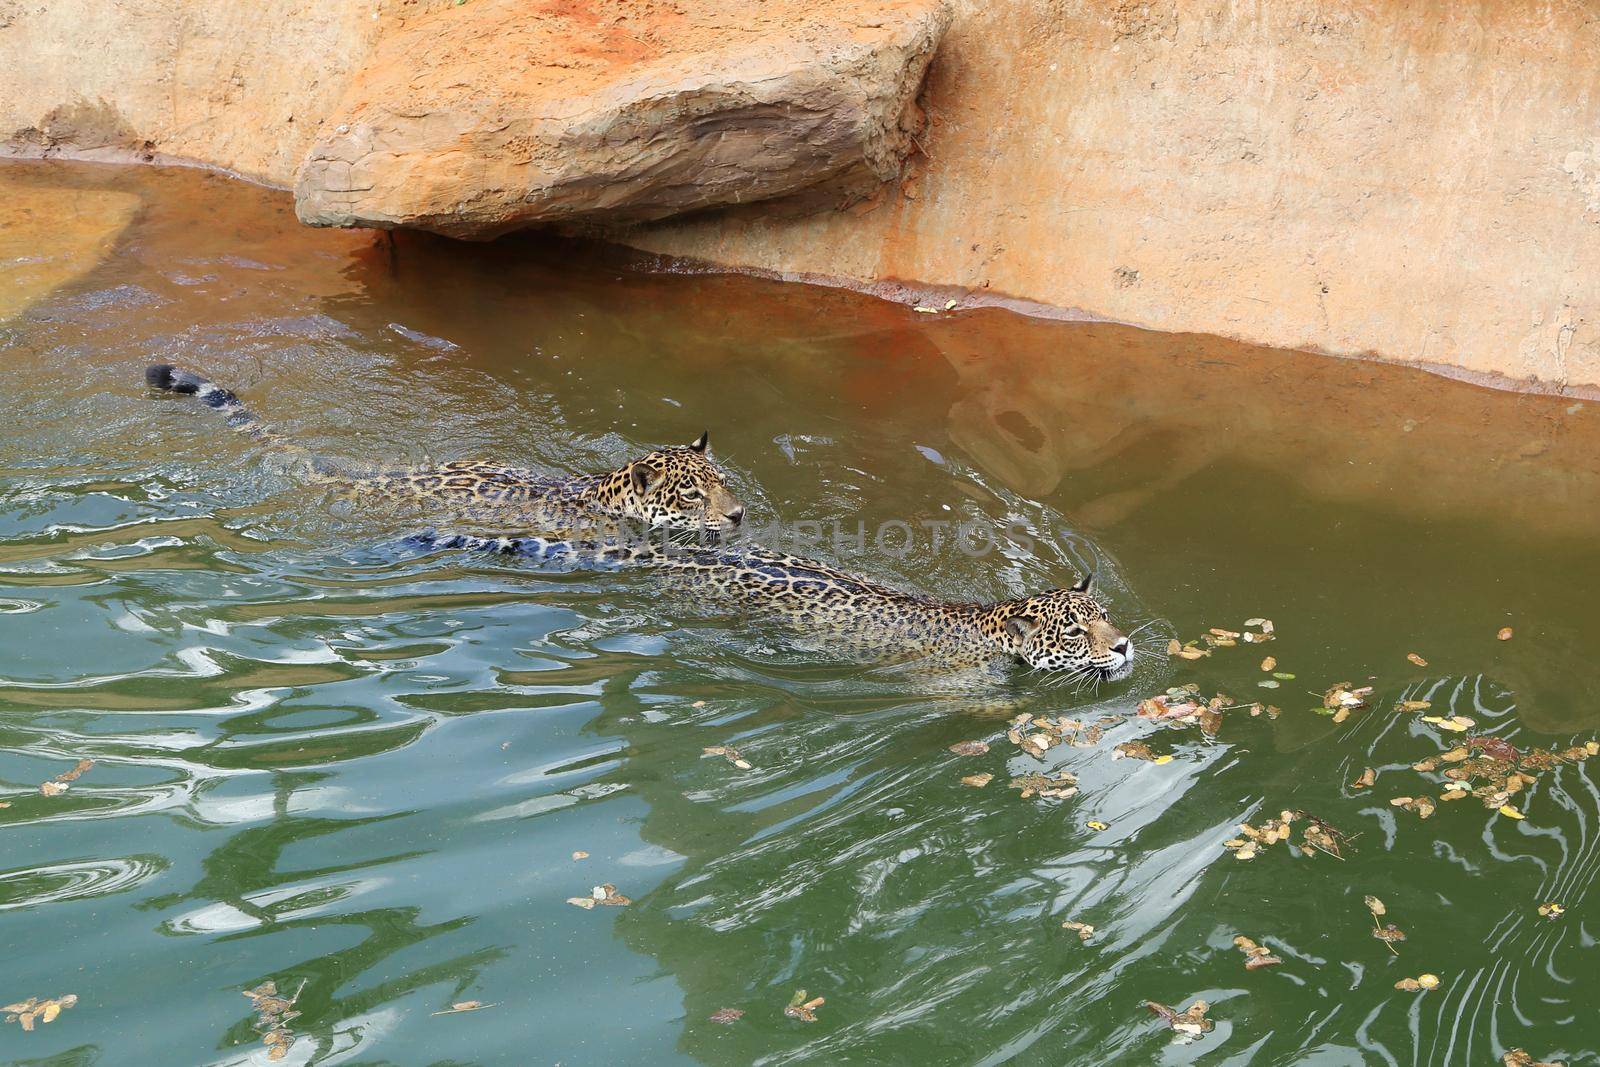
478, 118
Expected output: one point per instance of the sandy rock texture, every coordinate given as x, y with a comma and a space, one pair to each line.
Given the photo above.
237, 84
1412, 179
479, 119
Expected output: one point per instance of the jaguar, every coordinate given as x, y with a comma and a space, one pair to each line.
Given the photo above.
677, 488
1066, 630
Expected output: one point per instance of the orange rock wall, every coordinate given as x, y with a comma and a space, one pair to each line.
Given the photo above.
1418, 181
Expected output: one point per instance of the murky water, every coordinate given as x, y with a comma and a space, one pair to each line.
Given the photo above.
326, 761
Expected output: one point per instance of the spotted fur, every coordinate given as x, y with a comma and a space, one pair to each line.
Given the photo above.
1059, 630
670, 488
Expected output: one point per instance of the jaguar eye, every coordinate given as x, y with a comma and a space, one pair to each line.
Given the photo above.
1074, 630
692, 494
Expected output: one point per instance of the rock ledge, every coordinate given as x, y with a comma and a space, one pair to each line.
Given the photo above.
477, 119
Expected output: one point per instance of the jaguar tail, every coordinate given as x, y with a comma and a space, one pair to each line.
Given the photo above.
546, 550
171, 379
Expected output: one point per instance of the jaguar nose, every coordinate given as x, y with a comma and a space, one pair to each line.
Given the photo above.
1124, 647
736, 516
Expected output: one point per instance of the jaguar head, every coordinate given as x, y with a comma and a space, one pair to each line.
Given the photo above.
1065, 630
674, 489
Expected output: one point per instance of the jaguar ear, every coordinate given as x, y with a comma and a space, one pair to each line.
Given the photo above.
1084, 584
1021, 627
643, 478
699, 443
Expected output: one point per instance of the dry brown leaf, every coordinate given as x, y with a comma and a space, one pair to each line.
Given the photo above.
464, 1006
1368, 777
969, 748
1269, 664
727, 1015
76, 772
1374, 905
977, 781
1191, 1021
1504, 634
53, 789
580, 855
1418, 660
802, 1009
581, 902
1083, 930
1518, 1058
1058, 786
607, 894
34, 1010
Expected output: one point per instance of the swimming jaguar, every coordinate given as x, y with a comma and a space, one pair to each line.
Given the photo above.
676, 488
1058, 630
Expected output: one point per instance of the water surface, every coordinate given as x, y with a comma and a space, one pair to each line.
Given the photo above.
323, 760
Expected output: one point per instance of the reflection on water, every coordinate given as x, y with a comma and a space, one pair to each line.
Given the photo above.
323, 759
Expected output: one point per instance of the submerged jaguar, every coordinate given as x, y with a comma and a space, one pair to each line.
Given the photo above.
671, 488
1058, 630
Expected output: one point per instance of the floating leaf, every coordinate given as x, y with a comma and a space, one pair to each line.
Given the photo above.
1511, 813
977, 781
1518, 1058
1083, 930
1191, 1021
1504, 634
1549, 911
1269, 664
1418, 660
727, 1015
1368, 777
607, 894
274, 1017
1256, 956
802, 1009
969, 748
1389, 932
728, 753
1057, 786
33, 1010
463, 1006
580, 855
1374, 905
53, 789
76, 772
1096, 824
1413, 705
1428, 981
1456, 723
581, 902
1423, 805
1342, 695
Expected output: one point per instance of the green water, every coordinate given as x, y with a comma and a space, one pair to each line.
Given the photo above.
321, 759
